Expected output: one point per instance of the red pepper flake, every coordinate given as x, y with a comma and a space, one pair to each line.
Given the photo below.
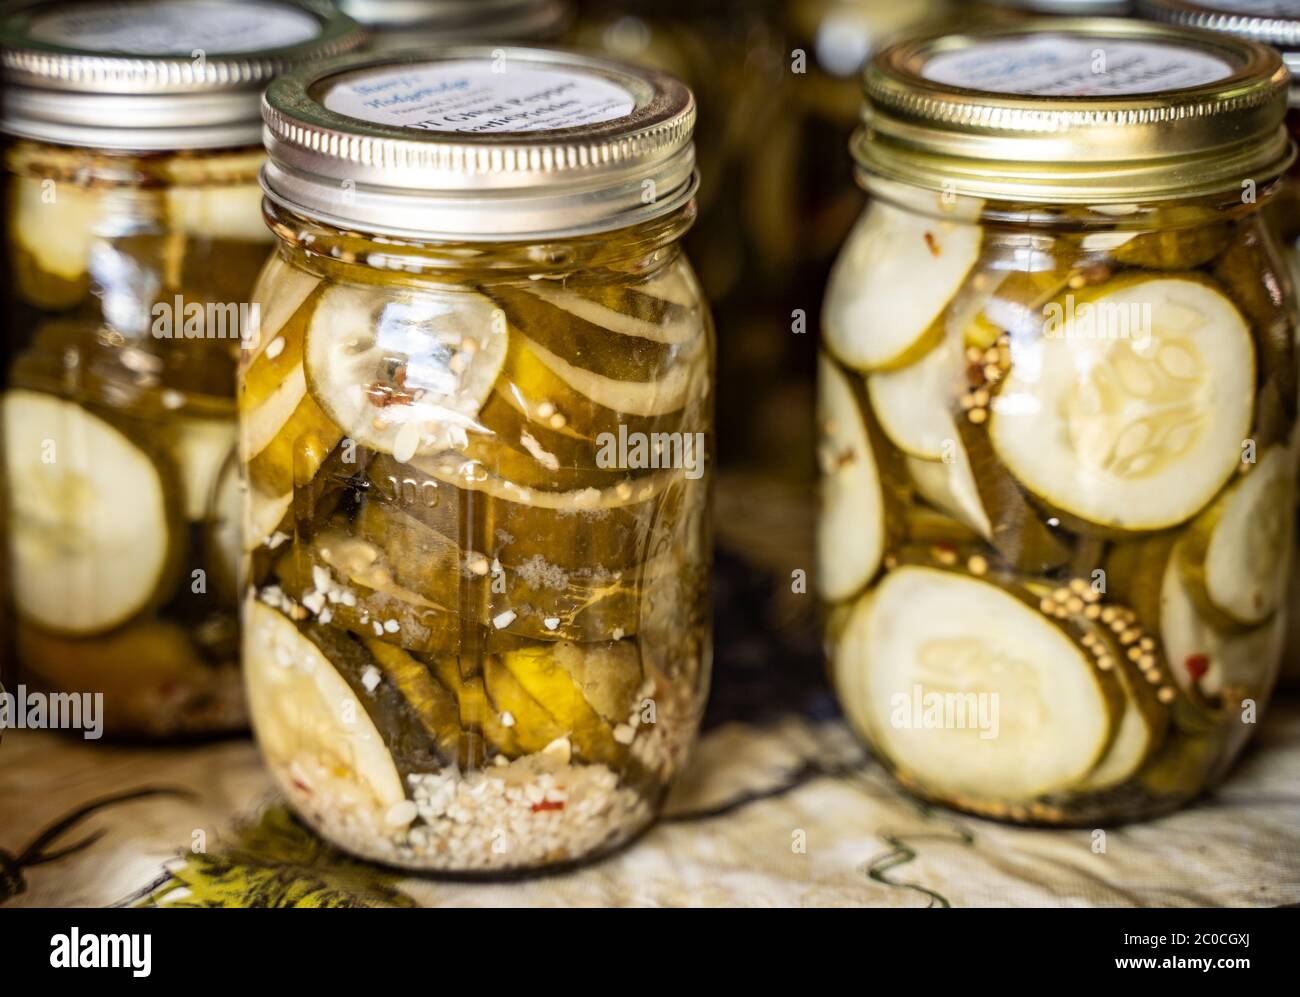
1197, 665
548, 805
932, 244
303, 786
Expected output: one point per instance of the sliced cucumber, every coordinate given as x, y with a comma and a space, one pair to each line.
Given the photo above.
202, 448
308, 719
280, 291
404, 375
851, 527
223, 528
1235, 557
91, 524
1141, 727
1134, 433
55, 223
950, 487
925, 631
896, 275
914, 403
233, 212
1205, 662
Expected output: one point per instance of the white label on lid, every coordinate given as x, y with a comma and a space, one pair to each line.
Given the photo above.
1065, 66
468, 95
165, 27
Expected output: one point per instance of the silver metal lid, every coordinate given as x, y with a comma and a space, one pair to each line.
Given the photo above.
1272, 22
478, 143
149, 75
461, 22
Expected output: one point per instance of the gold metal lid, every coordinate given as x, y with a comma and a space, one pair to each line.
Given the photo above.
1090, 111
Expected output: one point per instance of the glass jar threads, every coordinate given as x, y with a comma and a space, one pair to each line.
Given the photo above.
134, 238
476, 437
1057, 407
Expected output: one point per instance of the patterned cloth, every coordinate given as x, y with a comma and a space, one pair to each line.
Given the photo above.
780, 806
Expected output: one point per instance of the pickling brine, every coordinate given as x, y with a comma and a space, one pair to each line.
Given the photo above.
1058, 453
476, 618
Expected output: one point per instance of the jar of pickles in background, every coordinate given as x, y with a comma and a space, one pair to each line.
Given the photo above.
134, 238
1057, 405
393, 24
1277, 25
477, 437
1019, 10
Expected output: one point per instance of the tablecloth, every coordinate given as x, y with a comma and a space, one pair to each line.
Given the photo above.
780, 806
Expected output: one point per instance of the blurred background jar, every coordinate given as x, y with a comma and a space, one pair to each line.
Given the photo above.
1057, 413
1277, 25
134, 238
394, 24
477, 435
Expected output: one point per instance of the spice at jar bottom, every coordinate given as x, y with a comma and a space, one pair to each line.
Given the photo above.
1057, 418
135, 234
476, 438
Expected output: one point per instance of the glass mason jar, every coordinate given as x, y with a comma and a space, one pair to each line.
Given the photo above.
394, 24
1279, 26
134, 238
476, 436
1057, 405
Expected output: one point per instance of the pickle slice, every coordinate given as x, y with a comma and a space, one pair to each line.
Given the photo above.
477, 712
222, 529
296, 452
589, 529
1135, 433
851, 529
1235, 555
537, 672
950, 487
433, 704
1141, 728
1206, 663
233, 212
927, 640
53, 230
569, 326
201, 448
914, 403
404, 375
308, 719
93, 526
281, 289
278, 358
344, 580
536, 600
896, 275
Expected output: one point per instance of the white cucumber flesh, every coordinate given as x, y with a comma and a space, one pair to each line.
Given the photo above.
1130, 432
407, 375
308, 720
851, 527
971, 691
897, 273
90, 533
